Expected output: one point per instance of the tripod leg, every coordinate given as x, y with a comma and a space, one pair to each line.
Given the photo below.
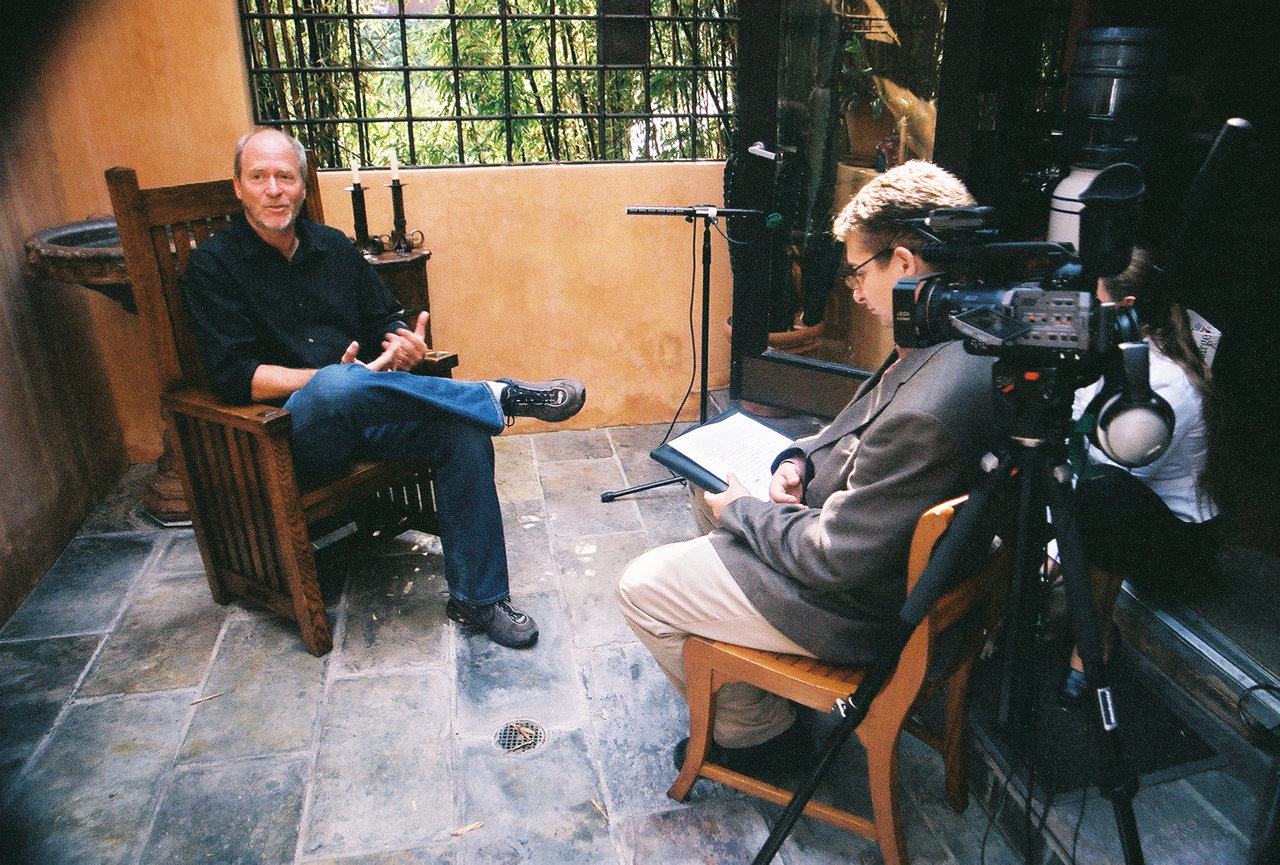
852, 711
1014, 706
1116, 782
616, 494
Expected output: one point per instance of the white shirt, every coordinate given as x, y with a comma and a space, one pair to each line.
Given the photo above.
1174, 475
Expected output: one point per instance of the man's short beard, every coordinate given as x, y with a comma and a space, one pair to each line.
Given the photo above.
290, 224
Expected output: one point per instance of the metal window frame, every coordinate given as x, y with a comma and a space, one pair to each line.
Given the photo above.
297, 84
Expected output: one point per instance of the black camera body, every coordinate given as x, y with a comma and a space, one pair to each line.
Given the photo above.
1033, 303
1034, 306
1038, 321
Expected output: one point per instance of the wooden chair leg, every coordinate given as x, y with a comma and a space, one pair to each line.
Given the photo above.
313, 618
955, 747
882, 774
701, 714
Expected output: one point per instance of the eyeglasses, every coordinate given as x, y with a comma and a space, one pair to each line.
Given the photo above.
853, 276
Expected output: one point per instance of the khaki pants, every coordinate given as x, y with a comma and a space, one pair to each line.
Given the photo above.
679, 589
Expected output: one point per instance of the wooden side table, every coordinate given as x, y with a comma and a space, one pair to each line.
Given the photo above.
405, 273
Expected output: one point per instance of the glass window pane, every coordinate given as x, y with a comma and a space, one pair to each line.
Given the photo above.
387, 8
479, 42
483, 92
379, 41
583, 42
277, 95
536, 7
624, 91
578, 91
529, 41
533, 140
577, 139
383, 94
327, 44
436, 142
335, 144
331, 95
484, 142
432, 93
531, 91
383, 139
620, 143
429, 43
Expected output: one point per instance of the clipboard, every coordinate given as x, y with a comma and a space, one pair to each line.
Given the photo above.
749, 450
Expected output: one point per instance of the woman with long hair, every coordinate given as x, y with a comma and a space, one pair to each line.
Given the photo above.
1155, 525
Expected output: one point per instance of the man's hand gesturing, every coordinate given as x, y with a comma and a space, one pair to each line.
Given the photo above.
407, 347
403, 349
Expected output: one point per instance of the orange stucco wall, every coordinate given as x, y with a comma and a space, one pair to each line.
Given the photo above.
538, 271
157, 86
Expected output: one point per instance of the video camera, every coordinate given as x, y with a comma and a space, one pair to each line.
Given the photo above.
1034, 306
1033, 303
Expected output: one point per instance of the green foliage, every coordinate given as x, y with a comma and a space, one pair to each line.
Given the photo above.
489, 81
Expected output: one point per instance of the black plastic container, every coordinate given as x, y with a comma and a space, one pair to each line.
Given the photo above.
1114, 93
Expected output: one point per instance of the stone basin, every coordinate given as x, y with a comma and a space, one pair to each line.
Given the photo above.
84, 253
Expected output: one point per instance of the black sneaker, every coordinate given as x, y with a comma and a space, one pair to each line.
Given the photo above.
503, 623
791, 749
556, 400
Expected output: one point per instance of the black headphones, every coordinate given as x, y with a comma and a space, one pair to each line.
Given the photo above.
1135, 424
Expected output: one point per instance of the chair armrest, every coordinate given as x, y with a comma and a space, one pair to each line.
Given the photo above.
259, 418
437, 363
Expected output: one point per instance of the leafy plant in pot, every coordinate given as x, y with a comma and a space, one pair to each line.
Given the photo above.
867, 120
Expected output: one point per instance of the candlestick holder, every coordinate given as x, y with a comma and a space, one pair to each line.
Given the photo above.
360, 218
400, 240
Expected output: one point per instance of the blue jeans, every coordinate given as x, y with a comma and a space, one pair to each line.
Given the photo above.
348, 412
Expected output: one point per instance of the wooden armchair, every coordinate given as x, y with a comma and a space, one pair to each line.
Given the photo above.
251, 517
710, 664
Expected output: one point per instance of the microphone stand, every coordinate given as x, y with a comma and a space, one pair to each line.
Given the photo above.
710, 215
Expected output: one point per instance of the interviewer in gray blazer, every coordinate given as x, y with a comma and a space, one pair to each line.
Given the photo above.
820, 569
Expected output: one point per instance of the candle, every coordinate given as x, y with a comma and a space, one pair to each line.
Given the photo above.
355, 172
395, 167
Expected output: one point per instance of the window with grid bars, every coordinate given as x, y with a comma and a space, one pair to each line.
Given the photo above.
474, 82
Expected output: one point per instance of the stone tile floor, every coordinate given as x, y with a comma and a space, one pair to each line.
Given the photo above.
142, 723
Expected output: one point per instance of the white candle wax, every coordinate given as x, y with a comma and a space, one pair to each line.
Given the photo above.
395, 167
355, 172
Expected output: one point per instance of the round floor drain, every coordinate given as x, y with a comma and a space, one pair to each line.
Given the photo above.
520, 736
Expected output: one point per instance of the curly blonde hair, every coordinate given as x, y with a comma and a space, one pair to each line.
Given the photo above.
907, 191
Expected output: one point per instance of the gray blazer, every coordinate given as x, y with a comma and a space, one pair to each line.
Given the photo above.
831, 576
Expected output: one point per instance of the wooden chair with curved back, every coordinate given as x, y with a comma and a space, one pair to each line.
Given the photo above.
251, 517
710, 664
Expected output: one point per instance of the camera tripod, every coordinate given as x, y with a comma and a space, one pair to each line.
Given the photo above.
1029, 471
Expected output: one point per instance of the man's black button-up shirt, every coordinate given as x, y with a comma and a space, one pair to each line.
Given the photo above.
251, 306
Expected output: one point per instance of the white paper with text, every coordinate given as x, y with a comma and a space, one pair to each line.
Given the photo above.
737, 444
